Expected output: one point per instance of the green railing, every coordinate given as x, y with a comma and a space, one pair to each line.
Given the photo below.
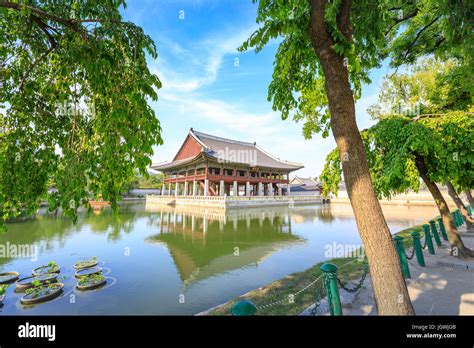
328, 282
327, 285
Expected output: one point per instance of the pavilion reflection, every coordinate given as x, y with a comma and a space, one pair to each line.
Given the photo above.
205, 242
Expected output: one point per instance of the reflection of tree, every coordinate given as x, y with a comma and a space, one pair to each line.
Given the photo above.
209, 248
44, 231
41, 231
112, 224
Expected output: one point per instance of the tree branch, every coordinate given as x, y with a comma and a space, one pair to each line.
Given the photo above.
400, 20
43, 26
343, 19
317, 27
32, 66
70, 23
412, 44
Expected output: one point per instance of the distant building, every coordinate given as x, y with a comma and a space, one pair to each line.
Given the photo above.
305, 186
207, 165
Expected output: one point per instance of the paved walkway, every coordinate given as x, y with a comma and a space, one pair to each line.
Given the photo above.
444, 287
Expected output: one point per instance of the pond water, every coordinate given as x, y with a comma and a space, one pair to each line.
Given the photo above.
165, 260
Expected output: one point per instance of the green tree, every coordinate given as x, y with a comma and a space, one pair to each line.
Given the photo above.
428, 86
74, 99
327, 50
400, 150
424, 27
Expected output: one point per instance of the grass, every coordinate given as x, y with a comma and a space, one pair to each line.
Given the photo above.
406, 234
283, 288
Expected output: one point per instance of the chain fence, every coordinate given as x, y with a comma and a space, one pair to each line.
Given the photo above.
267, 305
410, 254
320, 291
319, 296
424, 245
359, 285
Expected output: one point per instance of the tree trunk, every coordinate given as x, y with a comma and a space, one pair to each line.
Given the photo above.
457, 246
389, 286
459, 203
469, 198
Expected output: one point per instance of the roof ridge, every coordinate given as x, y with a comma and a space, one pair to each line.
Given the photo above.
277, 158
227, 140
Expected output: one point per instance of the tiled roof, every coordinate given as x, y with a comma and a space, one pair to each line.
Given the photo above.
232, 151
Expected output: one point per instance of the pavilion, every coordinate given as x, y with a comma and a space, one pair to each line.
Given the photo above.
207, 165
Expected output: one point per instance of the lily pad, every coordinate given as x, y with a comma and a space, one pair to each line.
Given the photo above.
45, 269
91, 282
86, 263
8, 277
42, 293
26, 283
87, 271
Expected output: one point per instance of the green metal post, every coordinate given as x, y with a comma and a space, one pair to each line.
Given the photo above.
331, 288
429, 241
243, 308
434, 232
418, 249
455, 219
403, 257
442, 229
460, 217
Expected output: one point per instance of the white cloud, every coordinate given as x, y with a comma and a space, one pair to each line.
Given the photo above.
196, 65
233, 120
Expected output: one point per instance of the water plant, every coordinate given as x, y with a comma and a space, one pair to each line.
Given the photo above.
39, 290
86, 263
3, 289
90, 280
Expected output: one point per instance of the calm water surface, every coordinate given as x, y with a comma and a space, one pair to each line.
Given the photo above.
157, 257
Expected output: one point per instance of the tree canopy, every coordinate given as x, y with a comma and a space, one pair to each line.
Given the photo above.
402, 31
298, 84
74, 96
440, 27
443, 140
428, 86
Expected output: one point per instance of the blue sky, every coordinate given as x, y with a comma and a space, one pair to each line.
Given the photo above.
211, 87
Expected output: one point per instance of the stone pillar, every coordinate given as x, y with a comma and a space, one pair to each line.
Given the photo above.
206, 188
260, 189
270, 189
288, 191
194, 188
236, 189
185, 193
176, 190
279, 190
247, 188
163, 189
169, 189
221, 188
